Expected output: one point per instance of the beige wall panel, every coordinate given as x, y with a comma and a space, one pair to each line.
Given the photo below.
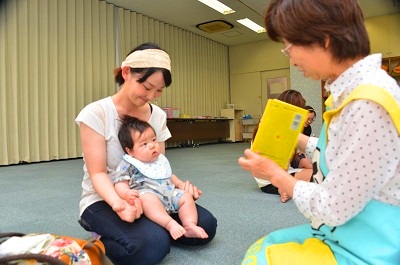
246, 92
250, 64
384, 34
394, 34
378, 32
268, 75
257, 57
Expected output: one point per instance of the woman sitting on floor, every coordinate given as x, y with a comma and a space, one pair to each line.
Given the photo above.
300, 167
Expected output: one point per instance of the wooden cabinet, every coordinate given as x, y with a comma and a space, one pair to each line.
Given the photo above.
378, 32
234, 116
384, 35
394, 35
188, 129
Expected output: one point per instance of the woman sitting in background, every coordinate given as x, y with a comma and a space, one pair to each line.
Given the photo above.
300, 166
310, 119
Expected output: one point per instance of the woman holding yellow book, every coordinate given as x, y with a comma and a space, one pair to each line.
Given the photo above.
353, 203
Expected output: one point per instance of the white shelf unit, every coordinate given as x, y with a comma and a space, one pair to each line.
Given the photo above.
248, 126
234, 116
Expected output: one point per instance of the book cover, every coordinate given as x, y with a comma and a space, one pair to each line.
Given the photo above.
278, 131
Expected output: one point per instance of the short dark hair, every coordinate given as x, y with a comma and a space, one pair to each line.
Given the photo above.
290, 96
311, 110
293, 97
145, 72
131, 124
309, 22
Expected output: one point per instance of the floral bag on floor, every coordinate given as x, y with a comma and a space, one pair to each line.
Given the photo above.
35, 249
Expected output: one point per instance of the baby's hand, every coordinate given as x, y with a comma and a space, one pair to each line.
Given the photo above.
188, 187
130, 196
127, 212
118, 206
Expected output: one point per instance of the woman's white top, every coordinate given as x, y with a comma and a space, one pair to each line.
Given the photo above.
102, 117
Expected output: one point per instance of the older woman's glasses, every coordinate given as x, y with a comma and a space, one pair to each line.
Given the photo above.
286, 51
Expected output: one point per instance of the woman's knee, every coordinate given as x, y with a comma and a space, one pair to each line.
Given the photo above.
150, 247
146, 253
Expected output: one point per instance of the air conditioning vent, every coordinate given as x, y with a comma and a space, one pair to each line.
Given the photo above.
214, 26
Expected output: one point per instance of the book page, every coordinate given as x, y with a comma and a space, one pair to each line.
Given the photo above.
278, 131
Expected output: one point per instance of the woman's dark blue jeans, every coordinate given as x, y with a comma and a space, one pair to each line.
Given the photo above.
143, 241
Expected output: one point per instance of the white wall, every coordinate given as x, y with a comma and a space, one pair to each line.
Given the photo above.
250, 66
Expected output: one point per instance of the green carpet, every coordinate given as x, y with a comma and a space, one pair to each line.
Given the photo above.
44, 197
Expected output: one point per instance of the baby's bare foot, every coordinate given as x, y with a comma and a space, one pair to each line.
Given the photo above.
175, 229
193, 230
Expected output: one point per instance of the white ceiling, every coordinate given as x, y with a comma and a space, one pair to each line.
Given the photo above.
186, 14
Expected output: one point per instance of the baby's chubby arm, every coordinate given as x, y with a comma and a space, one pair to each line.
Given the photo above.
125, 192
186, 186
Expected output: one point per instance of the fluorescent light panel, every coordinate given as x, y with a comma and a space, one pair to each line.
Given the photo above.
251, 25
220, 7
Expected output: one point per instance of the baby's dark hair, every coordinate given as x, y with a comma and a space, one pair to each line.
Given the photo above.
131, 124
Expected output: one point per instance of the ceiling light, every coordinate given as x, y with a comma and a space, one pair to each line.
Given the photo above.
251, 25
220, 7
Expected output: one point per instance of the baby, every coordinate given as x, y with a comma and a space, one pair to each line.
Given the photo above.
146, 174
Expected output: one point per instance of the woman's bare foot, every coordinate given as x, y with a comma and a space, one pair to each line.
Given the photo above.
193, 230
175, 229
284, 196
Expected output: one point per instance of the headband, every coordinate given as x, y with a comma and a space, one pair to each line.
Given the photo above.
148, 58
309, 108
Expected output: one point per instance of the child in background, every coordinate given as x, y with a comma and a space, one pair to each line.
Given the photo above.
146, 174
310, 119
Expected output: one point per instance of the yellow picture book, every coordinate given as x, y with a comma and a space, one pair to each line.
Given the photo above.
278, 131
